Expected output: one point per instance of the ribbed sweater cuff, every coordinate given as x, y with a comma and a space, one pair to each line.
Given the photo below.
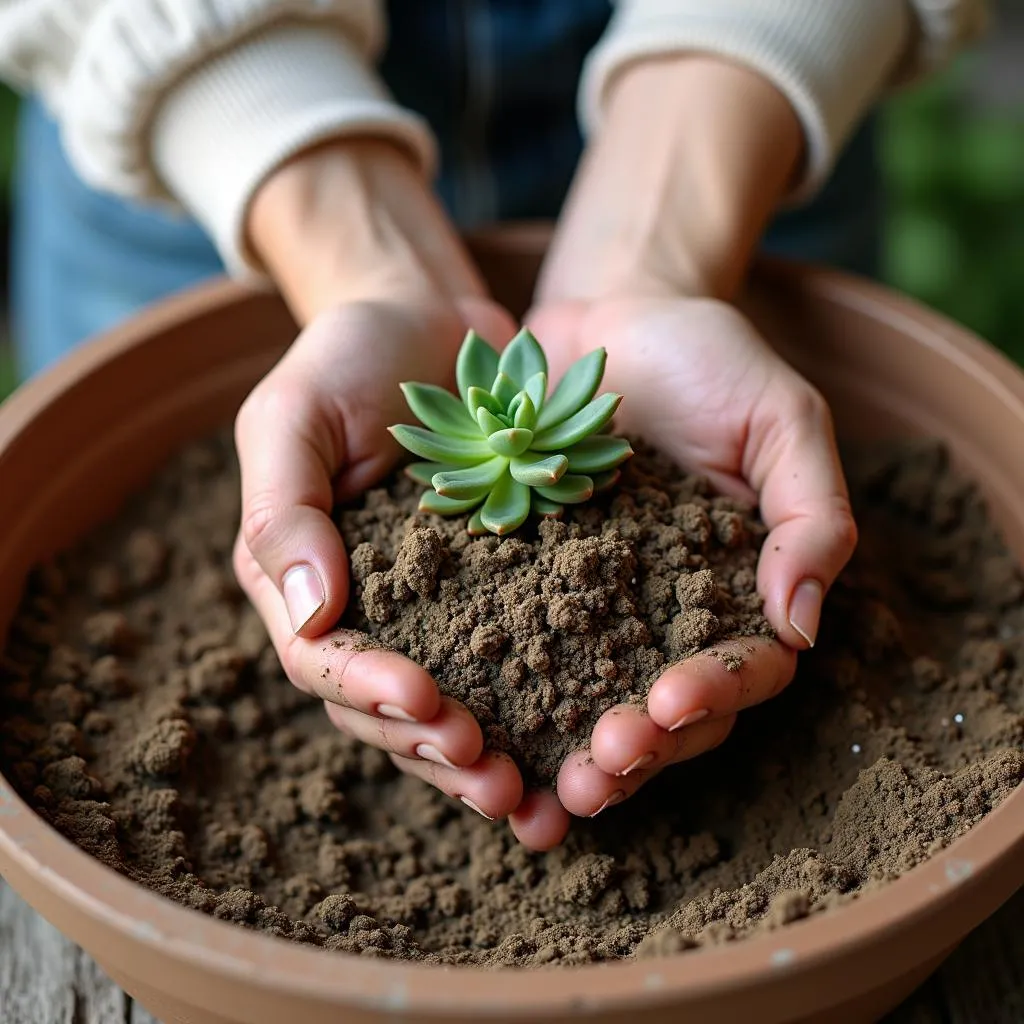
829, 58
224, 128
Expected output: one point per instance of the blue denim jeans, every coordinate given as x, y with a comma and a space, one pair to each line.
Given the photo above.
502, 103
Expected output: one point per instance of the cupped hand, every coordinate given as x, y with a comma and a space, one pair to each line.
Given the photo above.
703, 386
312, 433
388, 296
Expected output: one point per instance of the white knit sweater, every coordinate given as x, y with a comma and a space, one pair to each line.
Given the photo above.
196, 101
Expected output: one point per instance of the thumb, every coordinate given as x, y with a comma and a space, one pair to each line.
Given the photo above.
289, 449
794, 466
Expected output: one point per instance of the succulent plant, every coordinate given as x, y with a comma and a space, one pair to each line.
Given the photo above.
508, 447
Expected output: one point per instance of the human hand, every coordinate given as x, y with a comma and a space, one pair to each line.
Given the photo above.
721, 402
694, 155
367, 260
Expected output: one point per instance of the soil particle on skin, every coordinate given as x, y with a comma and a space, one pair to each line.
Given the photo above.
145, 716
541, 633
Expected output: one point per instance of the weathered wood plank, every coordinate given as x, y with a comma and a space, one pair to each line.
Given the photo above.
984, 980
45, 979
981, 983
925, 1006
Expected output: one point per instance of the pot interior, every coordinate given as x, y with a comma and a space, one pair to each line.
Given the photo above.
120, 408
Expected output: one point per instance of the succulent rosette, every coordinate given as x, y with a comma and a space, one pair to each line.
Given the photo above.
503, 447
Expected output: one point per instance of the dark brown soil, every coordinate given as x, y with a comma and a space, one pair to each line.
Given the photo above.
540, 633
146, 717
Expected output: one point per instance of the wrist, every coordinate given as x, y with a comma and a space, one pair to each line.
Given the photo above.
355, 220
693, 157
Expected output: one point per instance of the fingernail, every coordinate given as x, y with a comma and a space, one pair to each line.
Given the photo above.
640, 762
616, 798
689, 718
430, 753
394, 711
473, 807
805, 610
303, 595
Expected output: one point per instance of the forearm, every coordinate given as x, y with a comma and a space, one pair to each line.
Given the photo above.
694, 156
355, 219
199, 103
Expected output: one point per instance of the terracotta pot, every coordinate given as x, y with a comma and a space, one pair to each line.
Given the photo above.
74, 443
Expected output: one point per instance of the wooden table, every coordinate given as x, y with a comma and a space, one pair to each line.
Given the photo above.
44, 979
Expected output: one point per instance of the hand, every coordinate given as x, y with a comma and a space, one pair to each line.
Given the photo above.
694, 155
364, 256
701, 385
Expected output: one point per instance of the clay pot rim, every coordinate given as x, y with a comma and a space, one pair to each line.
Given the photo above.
263, 961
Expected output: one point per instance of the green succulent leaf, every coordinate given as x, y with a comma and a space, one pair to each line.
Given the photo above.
598, 454
460, 451
471, 482
475, 527
511, 442
507, 447
588, 420
547, 509
434, 503
570, 490
479, 398
523, 411
537, 388
523, 358
439, 409
476, 365
504, 389
424, 472
507, 506
575, 389
537, 470
489, 423
604, 481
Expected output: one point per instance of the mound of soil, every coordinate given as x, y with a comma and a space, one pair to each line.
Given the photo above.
540, 633
147, 718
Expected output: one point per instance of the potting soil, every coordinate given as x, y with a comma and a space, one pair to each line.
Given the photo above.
146, 716
540, 633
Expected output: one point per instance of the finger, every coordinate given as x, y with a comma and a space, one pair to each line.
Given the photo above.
492, 786
343, 667
699, 739
289, 451
733, 676
627, 740
586, 790
793, 462
451, 738
540, 822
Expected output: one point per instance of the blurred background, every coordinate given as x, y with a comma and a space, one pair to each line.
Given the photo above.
953, 158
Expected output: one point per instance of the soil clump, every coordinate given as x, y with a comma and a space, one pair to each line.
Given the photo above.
146, 717
540, 633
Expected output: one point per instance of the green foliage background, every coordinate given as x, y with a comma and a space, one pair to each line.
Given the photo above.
955, 229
